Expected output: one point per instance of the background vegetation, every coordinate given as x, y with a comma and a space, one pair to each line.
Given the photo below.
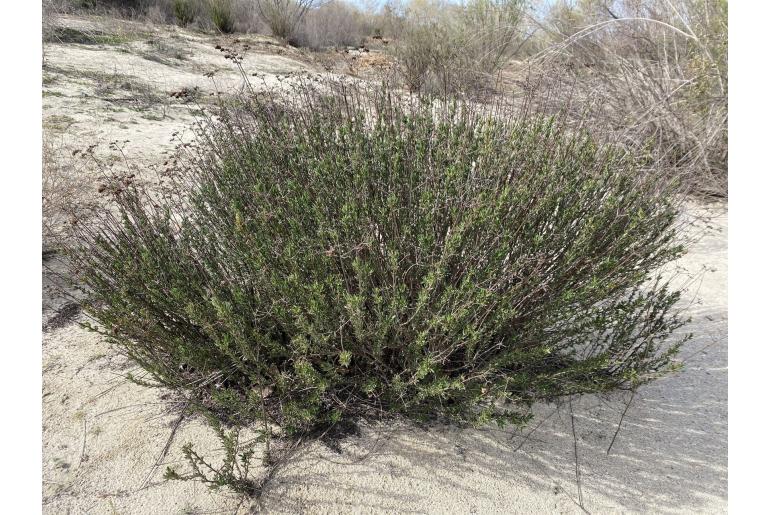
652, 70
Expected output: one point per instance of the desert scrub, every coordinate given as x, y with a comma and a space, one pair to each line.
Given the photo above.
67, 189
656, 70
184, 12
370, 255
222, 16
448, 48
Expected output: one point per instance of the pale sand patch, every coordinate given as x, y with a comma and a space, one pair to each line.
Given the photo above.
123, 91
670, 456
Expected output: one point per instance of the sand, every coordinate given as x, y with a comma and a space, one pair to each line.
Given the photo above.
104, 437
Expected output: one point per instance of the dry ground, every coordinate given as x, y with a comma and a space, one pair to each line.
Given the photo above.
104, 437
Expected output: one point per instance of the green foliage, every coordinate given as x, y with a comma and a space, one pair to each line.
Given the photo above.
232, 473
184, 12
368, 255
222, 15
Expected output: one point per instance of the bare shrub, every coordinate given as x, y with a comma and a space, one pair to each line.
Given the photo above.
429, 57
456, 48
390, 20
245, 18
654, 71
66, 199
50, 9
283, 16
492, 30
333, 24
158, 14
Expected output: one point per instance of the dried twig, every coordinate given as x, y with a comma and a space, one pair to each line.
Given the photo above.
531, 431
85, 437
622, 416
577, 462
166, 447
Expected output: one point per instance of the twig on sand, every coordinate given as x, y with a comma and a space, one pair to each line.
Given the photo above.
531, 431
137, 405
579, 502
166, 447
577, 462
83, 449
622, 416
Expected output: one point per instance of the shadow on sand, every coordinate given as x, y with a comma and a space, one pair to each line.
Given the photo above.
670, 454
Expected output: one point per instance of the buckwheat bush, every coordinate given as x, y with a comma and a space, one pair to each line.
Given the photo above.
335, 253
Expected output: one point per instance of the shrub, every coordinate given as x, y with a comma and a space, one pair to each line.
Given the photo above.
68, 188
234, 470
657, 71
334, 24
184, 12
222, 15
369, 255
429, 58
125, 6
492, 28
283, 16
457, 48
49, 11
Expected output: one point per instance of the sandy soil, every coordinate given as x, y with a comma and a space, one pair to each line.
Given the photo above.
123, 90
104, 437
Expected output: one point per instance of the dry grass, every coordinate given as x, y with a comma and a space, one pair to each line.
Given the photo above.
283, 16
68, 193
655, 72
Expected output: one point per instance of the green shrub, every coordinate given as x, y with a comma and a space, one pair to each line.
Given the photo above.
184, 12
222, 15
368, 255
